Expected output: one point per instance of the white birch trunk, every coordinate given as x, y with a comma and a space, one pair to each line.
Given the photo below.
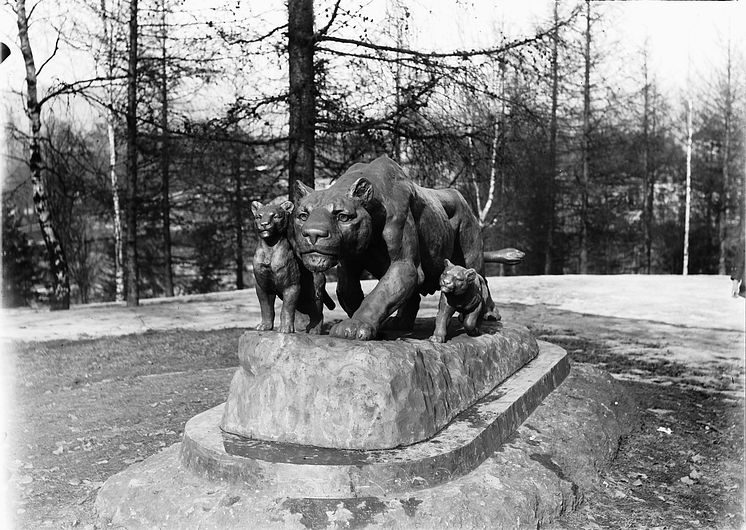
688, 206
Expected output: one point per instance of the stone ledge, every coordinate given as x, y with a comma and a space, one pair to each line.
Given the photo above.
343, 394
541, 472
300, 471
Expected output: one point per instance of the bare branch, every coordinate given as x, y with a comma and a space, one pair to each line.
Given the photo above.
254, 40
323, 31
462, 54
54, 52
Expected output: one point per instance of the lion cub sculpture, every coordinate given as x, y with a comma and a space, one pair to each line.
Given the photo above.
464, 291
278, 272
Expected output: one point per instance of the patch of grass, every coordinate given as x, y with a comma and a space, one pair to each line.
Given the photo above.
63, 363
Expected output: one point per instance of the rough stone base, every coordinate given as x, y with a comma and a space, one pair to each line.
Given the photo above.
321, 391
304, 471
538, 474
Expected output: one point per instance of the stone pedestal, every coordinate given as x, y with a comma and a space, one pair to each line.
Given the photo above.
541, 471
326, 392
292, 470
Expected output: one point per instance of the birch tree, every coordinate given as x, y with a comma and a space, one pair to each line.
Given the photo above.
110, 38
60, 298
688, 204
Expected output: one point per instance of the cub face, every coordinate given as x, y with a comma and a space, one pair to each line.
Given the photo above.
271, 220
332, 224
456, 279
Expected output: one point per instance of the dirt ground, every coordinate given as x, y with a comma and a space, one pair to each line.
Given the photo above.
84, 405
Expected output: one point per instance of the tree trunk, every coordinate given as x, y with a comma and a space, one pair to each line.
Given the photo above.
118, 258
723, 218
583, 266
110, 119
688, 206
238, 195
168, 279
552, 173
133, 292
302, 96
483, 211
647, 212
60, 298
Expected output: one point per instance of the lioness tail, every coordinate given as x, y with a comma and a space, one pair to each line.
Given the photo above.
508, 256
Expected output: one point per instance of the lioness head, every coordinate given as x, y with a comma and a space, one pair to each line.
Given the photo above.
271, 220
331, 224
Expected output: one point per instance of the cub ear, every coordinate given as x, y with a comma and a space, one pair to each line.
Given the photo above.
255, 205
288, 206
362, 190
301, 190
471, 275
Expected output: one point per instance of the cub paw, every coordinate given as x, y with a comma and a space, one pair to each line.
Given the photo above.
353, 329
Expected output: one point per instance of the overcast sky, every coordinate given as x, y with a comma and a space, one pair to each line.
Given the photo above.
679, 33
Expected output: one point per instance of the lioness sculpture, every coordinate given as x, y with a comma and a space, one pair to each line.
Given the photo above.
277, 272
373, 218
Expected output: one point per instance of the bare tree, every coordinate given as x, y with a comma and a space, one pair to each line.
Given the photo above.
302, 96
728, 98
586, 144
648, 176
109, 42
165, 160
553, 128
61, 288
133, 293
688, 207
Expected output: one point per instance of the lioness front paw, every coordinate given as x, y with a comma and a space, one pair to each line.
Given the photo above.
264, 326
438, 338
353, 329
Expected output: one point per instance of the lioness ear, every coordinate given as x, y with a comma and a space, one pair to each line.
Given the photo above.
288, 206
301, 190
447, 263
255, 205
361, 189
471, 275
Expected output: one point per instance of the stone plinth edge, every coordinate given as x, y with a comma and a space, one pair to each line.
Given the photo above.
541, 472
298, 471
365, 395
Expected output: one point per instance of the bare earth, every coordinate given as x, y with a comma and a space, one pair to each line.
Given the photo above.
82, 405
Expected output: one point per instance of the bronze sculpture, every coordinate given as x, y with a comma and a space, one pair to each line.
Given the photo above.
278, 272
463, 291
373, 218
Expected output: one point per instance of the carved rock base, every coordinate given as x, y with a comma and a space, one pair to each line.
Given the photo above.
299, 471
342, 394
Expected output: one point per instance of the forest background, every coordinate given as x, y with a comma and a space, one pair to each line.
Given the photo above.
598, 137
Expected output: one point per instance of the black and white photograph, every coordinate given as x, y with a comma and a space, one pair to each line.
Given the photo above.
373, 264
